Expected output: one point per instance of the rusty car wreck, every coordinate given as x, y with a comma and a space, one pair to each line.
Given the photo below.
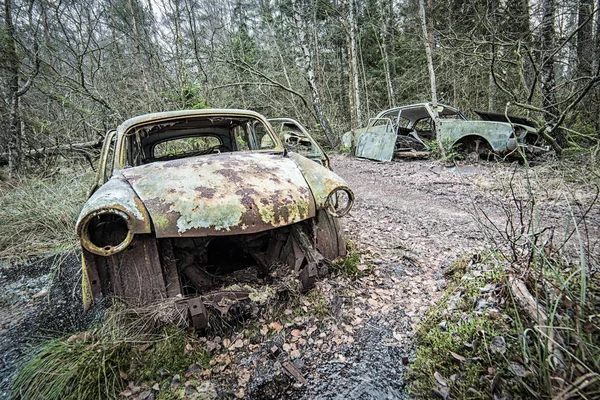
185, 199
410, 128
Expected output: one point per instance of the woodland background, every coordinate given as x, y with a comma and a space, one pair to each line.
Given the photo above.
72, 69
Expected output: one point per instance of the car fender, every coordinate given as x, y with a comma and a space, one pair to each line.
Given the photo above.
322, 181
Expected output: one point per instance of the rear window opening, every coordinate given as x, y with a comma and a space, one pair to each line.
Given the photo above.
196, 136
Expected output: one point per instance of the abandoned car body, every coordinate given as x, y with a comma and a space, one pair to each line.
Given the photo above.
184, 199
296, 138
411, 127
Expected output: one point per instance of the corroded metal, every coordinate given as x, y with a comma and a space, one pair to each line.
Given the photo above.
128, 126
270, 205
295, 137
321, 180
222, 194
378, 142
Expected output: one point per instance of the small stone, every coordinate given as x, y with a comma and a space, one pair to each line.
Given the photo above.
498, 345
176, 381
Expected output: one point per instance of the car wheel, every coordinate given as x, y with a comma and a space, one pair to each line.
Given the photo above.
477, 149
329, 238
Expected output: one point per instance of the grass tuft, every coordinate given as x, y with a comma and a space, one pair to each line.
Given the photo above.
136, 346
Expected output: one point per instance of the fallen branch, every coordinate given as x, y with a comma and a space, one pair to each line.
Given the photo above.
58, 149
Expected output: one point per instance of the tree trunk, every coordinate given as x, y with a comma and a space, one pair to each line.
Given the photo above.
310, 76
354, 59
547, 72
384, 35
426, 41
584, 38
12, 69
493, 6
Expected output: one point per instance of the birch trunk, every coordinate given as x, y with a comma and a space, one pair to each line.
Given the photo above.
384, 34
434, 102
548, 82
354, 59
13, 66
310, 76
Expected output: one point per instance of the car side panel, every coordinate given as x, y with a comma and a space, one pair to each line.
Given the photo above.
496, 133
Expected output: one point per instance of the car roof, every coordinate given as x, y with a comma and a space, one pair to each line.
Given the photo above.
167, 115
419, 106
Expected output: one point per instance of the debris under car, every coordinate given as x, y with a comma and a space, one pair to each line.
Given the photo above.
200, 205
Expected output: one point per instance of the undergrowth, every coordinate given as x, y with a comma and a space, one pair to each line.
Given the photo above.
538, 290
452, 152
352, 265
129, 347
38, 214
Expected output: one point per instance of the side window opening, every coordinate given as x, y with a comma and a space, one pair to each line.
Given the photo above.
110, 158
241, 138
262, 136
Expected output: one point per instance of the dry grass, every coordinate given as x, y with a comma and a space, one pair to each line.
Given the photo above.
38, 214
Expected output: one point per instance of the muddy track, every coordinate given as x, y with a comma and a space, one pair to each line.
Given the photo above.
413, 217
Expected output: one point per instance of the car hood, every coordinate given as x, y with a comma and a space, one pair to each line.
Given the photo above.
222, 194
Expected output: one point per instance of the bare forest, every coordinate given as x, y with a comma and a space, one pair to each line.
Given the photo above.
71, 70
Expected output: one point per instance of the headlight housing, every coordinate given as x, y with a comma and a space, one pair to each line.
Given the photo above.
106, 232
340, 201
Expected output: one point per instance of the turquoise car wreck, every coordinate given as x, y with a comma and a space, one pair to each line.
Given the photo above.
411, 127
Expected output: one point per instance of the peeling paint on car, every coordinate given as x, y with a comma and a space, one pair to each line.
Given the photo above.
251, 192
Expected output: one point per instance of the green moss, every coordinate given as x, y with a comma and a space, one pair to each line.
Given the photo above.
466, 333
349, 265
169, 354
319, 304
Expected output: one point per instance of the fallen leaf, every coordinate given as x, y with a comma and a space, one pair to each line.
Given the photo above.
458, 356
156, 387
188, 348
41, 293
276, 326
518, 369
498, 345
296, 332
440, 379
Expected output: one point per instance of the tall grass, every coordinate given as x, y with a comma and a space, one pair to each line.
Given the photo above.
37, 215
130, 346
554, 257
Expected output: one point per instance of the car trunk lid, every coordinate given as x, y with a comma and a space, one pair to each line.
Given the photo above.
222, 194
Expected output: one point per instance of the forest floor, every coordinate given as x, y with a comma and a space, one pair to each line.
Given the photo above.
351, 337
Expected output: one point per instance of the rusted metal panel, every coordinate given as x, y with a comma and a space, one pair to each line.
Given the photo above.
328, 236
169, 267
135, 273
321, 180
116, 194
377, 143
222, 194
497, 134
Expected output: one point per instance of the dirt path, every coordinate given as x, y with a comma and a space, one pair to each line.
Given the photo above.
417, 217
